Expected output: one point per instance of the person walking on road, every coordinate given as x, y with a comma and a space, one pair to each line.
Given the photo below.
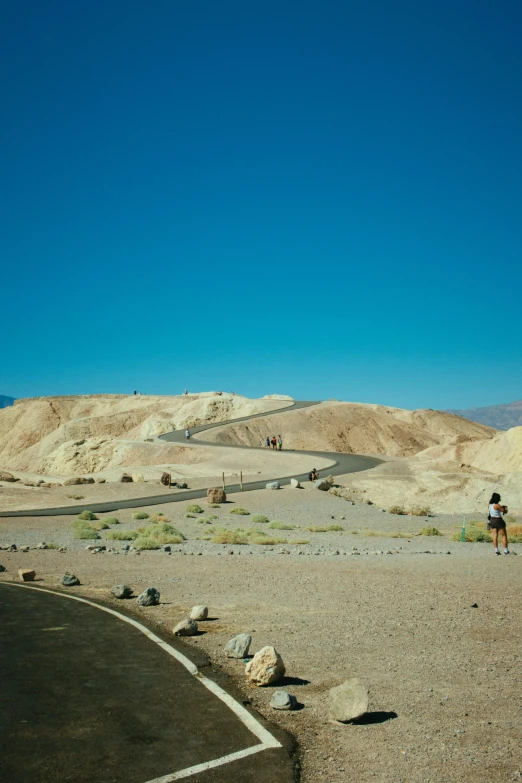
187, 434
496, 523
279, 443
267, 442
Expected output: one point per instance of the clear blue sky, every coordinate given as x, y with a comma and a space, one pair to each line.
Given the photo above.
322, 199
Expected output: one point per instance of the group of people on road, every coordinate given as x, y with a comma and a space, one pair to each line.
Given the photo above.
275, 443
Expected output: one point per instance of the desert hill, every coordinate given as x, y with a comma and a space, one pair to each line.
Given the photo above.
502, 417
59, 436
355, 428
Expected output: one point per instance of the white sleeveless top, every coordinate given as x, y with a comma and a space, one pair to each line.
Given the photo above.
494, 512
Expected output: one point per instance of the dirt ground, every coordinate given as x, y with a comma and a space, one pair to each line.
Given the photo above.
444, 676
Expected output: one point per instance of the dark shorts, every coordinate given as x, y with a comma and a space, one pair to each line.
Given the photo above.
497, 523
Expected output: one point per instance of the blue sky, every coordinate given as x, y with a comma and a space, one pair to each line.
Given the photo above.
321, 199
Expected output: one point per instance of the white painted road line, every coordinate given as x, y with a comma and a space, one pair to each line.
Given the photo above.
267, 740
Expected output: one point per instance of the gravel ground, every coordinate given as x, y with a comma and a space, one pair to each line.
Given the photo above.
444, 677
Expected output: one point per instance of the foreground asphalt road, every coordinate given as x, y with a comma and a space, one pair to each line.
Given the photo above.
342, 464
89, 698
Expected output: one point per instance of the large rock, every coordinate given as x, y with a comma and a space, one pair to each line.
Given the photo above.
138, 478
70, 580
4, 476
186, 627
273, 485
101, 481
73, 481
199, 613
239, 646
126, 478
348, 701
281, 700
322, 484
181, 485
149, 597
2, 568
215, 495
89, 480
26, 574
122, 591
266, 667
295, 483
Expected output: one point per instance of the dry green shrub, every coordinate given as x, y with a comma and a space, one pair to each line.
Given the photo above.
239, 510
85, 532
161, 532
429, 531
121, 535
281, 526
328, 529
212, 517
193, 508
473, 535
204, 521
261, 539
396, 510
420, 511
142, 542
515, 534
260, 519
157, 518
383, 534
224, 536
140, 515
87, 515
112, 520
101, 525
300, 541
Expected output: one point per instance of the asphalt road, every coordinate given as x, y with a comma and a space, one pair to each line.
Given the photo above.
89, 698
342, 464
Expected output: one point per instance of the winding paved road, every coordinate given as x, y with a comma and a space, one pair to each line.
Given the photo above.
341, 464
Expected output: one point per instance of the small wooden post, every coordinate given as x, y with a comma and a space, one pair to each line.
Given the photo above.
241, 480
223, 482
170, 477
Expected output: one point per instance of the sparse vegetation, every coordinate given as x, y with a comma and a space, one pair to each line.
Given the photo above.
142, 542
193, 508
396, 510
204, 520
224, 536
326, 529
420, 511
384, 534
474, 535
260, 519
281, 526
121, 535
256, 537
239, 510
85, 532
515, 533
159, 517
161, 532
212, 517
112, 520
140, 515
101, 525
429, 531
87, 515
214, 505
300, 541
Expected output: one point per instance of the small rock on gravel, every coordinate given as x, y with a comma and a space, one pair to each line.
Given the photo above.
70, 580
322, 484
122, 591
42, 545
348, 701
199, 613
26, 574
186, 627
266, 667
149, 597
282, 700
239, 646
273, 485
295, 483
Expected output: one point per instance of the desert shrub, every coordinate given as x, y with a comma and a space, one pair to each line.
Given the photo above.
204, 520
142, 542
515, 533
328, 529
112, 520
87, 515
473, 535
280, 526
396, 510
239, 510
191, 516
261, 539
260, 519
193, 508
212, 517
159, 517
121, 535
101, 525
383, 534
224, 536
429, 531
420, 511
161, 532
140, 515
214, 505
85, 532
300, 541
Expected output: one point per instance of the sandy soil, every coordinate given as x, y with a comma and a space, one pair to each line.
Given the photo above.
444, 677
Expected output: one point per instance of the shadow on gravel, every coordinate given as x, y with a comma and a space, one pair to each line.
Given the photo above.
293, 681
374, 717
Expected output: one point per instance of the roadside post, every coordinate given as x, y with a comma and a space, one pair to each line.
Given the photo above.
241, 480
223, 475
463, 534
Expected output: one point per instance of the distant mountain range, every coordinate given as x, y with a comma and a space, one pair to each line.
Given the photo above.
502, 417
6, 401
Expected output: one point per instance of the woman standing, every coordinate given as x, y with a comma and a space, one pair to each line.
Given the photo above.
496, 523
